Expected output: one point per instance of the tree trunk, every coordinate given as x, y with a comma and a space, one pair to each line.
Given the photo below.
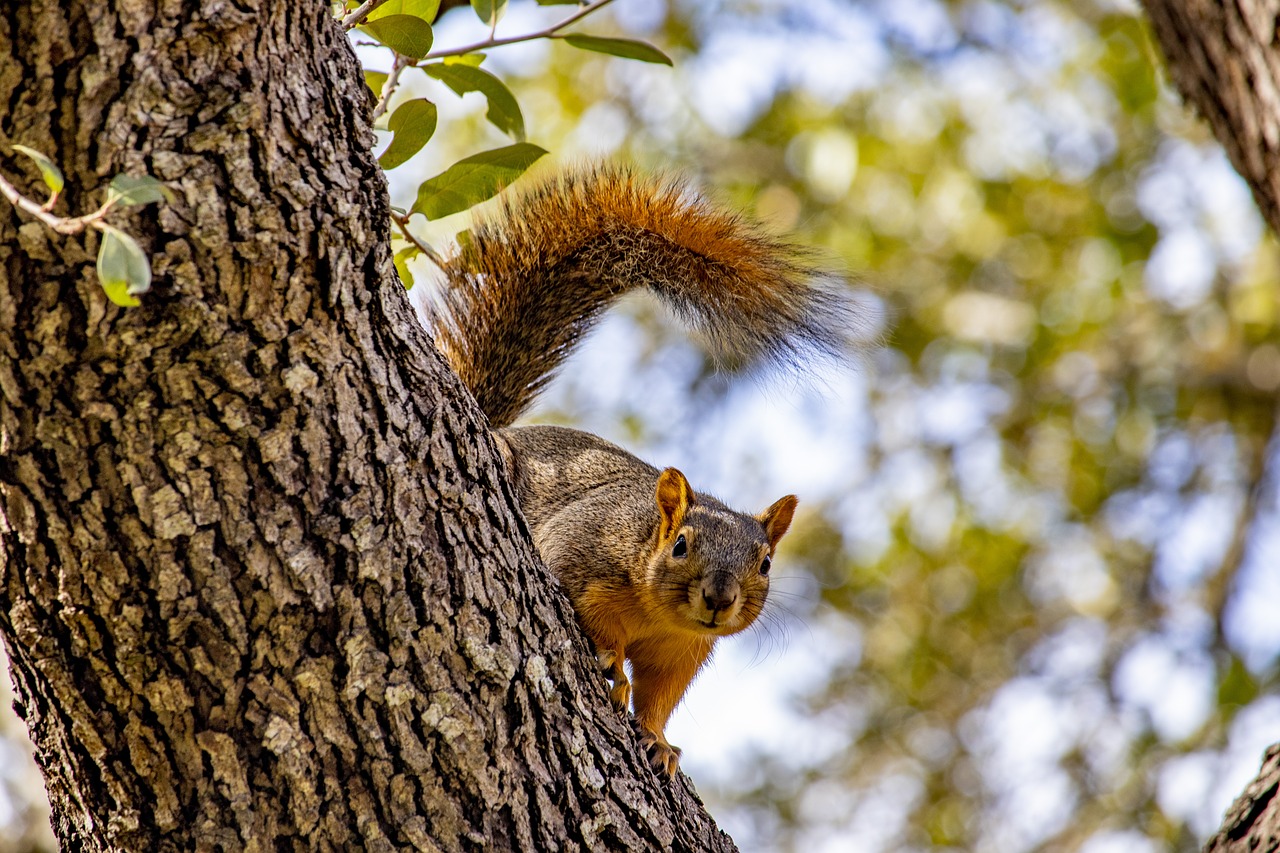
262, 582
1225, 60
1253, 821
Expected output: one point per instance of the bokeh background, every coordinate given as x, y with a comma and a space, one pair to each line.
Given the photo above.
1032, 599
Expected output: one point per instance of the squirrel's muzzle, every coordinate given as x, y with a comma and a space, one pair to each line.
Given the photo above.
719, 593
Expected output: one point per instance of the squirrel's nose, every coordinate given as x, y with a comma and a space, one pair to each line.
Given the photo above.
718, 597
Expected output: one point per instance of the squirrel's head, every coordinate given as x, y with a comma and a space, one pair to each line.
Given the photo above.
710, 568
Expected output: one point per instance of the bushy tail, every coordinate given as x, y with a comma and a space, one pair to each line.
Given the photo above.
532, 281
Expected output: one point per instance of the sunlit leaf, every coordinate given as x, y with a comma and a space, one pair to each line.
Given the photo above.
489, 11
126, 190
503, 112
118, 292
404, 34
474, 179
401, 261
472, 59
123, 268
376, 80
626, 48
413, 123
424, 9
51, 174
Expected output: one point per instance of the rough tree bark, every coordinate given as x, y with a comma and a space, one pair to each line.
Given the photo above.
262, 582
1253, 822
1225, 60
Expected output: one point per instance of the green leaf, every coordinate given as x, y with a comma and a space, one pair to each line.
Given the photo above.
118, 292
424, 9
472, 59
123, 269
626, 48
503, 112
474, 179
557, 2
413, 122
376, 80
404, 34
127, 191
1237, 686
401, 260
51, 174
489, 11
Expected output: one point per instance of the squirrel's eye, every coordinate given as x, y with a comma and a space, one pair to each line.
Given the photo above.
680, 548
764, 567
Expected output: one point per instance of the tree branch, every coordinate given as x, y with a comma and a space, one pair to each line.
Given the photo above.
1223, 59
357, 15
398, 65
1253, 821
402, 221
61, 224
549, 32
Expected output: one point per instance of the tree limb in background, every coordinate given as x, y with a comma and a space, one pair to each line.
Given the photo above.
1223, 59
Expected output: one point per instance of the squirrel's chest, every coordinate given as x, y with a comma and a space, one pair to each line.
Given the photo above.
617, 614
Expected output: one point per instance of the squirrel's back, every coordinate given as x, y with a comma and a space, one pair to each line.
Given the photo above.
533, 280
586, 499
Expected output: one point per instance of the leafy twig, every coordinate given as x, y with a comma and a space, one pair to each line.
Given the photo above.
549, 32
402, 220
124, 271
357, 17
400, 63
61, 224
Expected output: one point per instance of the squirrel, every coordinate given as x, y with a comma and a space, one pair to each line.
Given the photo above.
656, 572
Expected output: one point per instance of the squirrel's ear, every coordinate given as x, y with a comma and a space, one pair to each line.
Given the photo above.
777, 518
674, 497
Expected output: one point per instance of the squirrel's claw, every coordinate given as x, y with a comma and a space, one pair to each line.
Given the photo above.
610, 663
620, 695
663, 757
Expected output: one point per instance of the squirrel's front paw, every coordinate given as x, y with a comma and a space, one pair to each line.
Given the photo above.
620, 696
663, 757
610, 663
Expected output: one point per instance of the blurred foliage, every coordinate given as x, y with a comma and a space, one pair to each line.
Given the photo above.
1036, 569
1059, 527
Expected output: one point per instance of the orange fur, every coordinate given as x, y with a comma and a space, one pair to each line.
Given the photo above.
664, 660
534, 279
777, 518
